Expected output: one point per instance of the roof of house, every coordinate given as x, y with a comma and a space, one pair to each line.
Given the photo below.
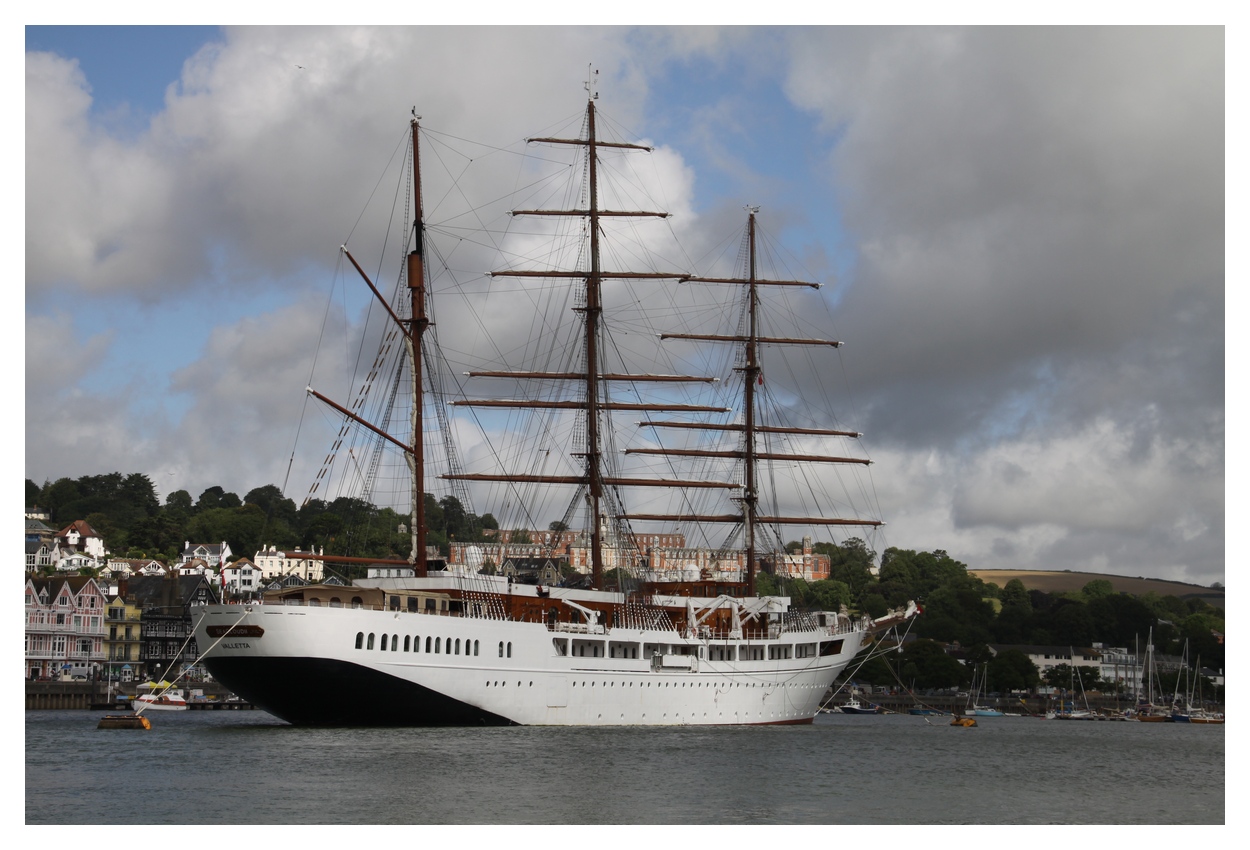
53, 584
146, 591
79, 525
210, 548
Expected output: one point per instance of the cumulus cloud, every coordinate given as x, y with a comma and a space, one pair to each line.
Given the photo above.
1038, 215
1028, 223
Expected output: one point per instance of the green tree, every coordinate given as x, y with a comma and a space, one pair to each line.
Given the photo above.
217, 497
829, 595
1014, 593
850, 563
1012, 670
271, 501
179, 501
766, 584
57, 496
1071, 624
1097, 589
926, 663
1073, 678
873, 604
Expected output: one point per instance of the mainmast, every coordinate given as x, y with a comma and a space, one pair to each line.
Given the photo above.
593, 481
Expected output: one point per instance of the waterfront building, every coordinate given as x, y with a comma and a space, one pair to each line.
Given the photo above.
168, 605
64, 627
1046, 657
122, 642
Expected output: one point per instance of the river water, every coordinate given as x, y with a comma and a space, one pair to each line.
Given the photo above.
246, 767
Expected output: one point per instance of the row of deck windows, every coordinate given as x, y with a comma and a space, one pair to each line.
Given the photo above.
593, 649
434, 645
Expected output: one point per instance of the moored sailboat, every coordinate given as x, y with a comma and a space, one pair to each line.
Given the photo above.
456, 646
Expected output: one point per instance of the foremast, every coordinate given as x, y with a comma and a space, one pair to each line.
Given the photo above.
749, 454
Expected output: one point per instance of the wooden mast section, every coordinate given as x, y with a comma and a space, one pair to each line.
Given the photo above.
592, 406
413, 330
419, 323
748, 454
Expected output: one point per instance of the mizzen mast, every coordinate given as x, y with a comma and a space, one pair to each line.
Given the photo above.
418, 324
413, 330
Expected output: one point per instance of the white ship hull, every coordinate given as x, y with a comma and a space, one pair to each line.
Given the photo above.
302, 664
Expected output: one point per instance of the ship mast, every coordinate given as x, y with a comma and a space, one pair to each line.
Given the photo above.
412, 341
592, 405
749, 453
413, 330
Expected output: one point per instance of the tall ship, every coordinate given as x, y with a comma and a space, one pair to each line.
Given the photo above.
627, 633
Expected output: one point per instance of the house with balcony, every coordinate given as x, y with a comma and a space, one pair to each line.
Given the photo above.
65, 627
122, 620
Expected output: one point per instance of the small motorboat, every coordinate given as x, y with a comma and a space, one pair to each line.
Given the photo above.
164, 701
963, 721
854, 706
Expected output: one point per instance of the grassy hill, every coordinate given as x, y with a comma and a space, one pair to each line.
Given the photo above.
1061, 581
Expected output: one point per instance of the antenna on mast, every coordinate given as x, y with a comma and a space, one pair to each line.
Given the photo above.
592, 77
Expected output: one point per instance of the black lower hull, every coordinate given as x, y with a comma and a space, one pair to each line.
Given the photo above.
327, 692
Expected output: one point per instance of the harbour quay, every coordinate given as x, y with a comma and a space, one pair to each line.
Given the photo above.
54, 696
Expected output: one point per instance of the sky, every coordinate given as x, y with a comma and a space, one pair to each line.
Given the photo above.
1020, 229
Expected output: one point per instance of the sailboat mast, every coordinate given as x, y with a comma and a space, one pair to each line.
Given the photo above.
419, 322
751, 371
594, 475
